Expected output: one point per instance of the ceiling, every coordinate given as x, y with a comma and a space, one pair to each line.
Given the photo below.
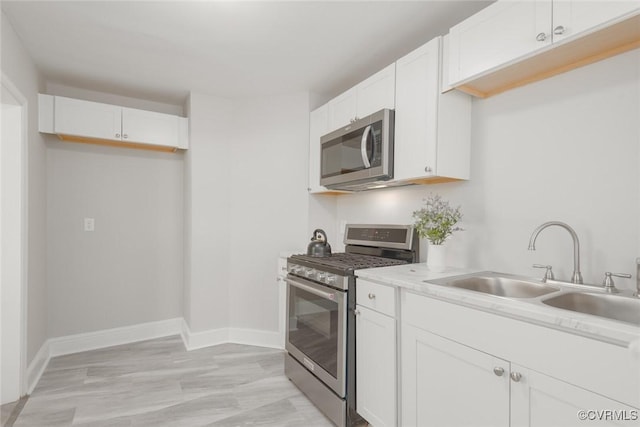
161, 50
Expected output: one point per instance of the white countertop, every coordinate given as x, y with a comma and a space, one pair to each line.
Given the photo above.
412, 277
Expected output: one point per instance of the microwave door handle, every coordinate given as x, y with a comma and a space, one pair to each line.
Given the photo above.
363, 147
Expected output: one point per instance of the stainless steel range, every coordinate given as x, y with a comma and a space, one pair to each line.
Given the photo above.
321, 299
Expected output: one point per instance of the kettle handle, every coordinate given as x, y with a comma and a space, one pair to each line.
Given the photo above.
321, 232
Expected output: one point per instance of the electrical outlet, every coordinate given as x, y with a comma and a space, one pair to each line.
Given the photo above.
89, 224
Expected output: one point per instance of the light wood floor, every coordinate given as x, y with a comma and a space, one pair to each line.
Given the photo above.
158, 383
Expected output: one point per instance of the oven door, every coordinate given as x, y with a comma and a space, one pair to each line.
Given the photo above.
316, 330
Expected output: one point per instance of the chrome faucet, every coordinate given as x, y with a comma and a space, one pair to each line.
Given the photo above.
576, 277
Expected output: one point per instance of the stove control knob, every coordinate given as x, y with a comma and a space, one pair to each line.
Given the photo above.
321, 276
309, 272
331, 278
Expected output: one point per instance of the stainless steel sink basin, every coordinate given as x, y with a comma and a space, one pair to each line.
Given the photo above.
620, 308
502, 285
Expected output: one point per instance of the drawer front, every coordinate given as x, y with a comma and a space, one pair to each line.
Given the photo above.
377, 297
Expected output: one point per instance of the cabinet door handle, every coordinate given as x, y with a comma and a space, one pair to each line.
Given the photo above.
125, 136
516, 376
427, 169
558, 30
356, 312
498, 371
117, 135
372, 295
541, 37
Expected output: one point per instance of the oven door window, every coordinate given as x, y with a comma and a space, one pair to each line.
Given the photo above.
314, 328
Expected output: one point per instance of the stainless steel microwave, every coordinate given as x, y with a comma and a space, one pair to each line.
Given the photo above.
358, 156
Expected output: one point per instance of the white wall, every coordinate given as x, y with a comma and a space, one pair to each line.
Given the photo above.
130, 269
565, 149
246, 193
20, 69
207, 213
11, 248
268, 202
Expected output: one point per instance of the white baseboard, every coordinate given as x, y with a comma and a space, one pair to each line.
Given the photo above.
94, 340
196, 340
37, 366
141, 332
255, 337
117, 336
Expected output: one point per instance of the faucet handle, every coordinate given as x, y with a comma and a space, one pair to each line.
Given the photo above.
608, 284
548, 275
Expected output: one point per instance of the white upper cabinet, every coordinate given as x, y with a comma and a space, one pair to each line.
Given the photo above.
148, 127
432, 129
318, 126
85, 121
498, 34
377, 92
343, 109
88, 119
572, 17
514, 42
374, 94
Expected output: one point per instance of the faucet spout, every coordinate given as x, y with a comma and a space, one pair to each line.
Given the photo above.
576, 277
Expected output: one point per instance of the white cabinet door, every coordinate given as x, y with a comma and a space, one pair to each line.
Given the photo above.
538, 400
148, 127
448, 384
376, 367
318, 126
342, 109
372, 95
87, 119
417, 90
502, 32
433, 129
571, 17
377, 92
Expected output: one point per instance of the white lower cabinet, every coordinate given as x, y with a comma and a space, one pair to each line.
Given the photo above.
448, 384
376, 354
464, 367
376, 367
538, 400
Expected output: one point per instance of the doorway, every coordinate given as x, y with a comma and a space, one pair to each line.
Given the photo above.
12, 242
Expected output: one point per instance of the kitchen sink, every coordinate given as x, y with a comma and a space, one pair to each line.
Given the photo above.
624, 309
503, 285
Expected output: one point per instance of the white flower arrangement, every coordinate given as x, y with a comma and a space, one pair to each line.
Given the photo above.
437, 220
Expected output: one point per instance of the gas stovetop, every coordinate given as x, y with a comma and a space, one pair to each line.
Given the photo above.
366, 246
347, 262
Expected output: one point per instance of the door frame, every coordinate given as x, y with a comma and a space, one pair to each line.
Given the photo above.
22, 184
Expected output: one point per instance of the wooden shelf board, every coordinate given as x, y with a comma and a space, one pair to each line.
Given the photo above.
109, 143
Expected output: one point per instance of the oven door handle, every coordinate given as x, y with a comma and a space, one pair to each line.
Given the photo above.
363, 147
326, 295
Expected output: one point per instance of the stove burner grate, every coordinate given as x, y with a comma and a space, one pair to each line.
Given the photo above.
350, 261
